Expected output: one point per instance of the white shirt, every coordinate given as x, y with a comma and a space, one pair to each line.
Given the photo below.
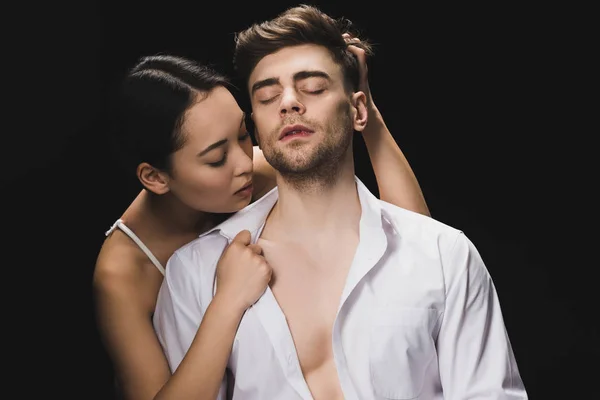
419, 316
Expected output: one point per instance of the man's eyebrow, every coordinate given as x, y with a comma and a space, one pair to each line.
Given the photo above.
311, 74
265, 82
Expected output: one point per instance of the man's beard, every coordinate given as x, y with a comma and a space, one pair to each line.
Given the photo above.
318, 167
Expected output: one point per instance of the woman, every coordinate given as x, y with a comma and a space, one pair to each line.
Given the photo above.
195, 159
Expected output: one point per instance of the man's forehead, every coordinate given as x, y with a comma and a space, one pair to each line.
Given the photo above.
291, 60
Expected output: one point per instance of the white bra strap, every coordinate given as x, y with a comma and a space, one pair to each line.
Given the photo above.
119, 224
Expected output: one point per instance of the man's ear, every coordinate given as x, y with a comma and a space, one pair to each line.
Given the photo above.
360, 114
153, 179
256, 135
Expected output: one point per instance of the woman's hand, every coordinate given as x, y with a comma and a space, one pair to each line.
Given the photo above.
243, 274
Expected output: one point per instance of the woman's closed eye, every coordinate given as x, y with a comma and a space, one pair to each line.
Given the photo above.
219, 163
223, 160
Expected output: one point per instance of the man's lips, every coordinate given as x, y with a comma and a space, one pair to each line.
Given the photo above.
295, 130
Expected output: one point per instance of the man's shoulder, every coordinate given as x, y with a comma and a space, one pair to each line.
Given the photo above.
431, 241
198, 249
198, 253
192, 267
411, 222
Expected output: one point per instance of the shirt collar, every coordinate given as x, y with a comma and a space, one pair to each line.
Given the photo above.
253, 216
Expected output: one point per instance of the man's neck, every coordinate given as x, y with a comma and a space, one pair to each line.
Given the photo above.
317, 206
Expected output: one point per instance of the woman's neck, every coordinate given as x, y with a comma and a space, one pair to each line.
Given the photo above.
167, 214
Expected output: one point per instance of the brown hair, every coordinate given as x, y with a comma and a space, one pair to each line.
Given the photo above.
299, 25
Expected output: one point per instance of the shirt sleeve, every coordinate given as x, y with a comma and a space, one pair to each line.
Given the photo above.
476, 360
179, 312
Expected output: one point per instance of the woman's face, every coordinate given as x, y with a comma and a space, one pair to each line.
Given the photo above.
212, 172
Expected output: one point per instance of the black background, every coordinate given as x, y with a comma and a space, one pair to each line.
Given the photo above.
473, 95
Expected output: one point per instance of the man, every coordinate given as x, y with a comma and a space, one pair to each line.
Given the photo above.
366, 300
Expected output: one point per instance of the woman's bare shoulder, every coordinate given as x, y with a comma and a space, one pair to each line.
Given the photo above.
120, 263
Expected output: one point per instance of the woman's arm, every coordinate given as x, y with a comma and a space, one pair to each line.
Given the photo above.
396, 181
125, 324
242, 277
123, 318
201, 372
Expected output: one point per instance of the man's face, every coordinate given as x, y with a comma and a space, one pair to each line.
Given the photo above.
302, 114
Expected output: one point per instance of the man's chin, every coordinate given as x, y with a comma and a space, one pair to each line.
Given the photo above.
298, 166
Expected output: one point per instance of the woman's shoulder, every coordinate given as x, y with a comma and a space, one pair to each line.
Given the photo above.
120, 263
